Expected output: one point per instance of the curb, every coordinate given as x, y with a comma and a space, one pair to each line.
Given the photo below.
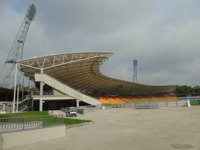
78, 125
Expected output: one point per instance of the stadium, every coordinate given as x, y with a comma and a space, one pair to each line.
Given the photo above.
74, 79
40, 95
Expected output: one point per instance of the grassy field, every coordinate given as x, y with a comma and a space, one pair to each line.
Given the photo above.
67, 121
194, 102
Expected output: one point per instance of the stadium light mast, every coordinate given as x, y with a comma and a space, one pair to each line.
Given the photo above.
135, 63
15, 54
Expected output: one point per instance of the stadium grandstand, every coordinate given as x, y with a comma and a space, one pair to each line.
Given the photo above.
74, 79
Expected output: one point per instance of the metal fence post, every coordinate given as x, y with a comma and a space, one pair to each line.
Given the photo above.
23, 124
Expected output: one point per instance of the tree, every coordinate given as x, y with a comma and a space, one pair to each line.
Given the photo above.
196, 89
183, 90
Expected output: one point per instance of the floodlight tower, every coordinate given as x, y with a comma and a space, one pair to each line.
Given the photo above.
16, 52
135, 63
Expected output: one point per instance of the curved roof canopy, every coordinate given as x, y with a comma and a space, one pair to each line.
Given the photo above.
82, 71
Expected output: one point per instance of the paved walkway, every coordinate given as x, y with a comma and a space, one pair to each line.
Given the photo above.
130, 129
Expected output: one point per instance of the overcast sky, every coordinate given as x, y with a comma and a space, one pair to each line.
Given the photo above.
163, 35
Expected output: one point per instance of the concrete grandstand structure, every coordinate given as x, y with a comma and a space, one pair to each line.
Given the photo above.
74, 75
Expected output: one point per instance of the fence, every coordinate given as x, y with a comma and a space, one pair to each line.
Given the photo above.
8, 124
150, 105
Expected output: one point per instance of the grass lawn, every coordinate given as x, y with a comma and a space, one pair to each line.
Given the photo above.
194, 102
67, 121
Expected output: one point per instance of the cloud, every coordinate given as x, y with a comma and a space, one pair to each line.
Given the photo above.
162, 35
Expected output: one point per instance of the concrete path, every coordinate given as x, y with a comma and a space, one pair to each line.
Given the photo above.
130, 129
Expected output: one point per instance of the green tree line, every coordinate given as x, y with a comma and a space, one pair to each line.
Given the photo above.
187, 90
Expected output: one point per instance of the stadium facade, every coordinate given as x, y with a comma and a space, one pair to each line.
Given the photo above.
74, 79
77, 76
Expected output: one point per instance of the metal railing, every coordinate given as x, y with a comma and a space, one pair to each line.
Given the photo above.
150, 105
9, 124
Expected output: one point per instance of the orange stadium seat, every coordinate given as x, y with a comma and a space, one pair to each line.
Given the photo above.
131, 99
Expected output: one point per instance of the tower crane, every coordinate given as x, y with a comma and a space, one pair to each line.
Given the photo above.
16, 52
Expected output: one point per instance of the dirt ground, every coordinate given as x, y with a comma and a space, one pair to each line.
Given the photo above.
130, 129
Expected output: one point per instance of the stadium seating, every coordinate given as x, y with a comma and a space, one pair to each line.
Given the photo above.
131, 99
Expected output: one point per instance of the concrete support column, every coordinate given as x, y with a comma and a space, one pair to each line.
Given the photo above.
41, 94
41, 88
4, 108
15, 85
77, 103
41, 104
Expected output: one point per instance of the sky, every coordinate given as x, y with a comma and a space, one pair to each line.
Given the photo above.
163, 35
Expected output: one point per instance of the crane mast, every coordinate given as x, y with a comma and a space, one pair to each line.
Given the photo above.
16, 52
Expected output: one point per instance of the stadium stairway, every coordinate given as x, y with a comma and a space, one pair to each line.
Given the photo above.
66, 89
